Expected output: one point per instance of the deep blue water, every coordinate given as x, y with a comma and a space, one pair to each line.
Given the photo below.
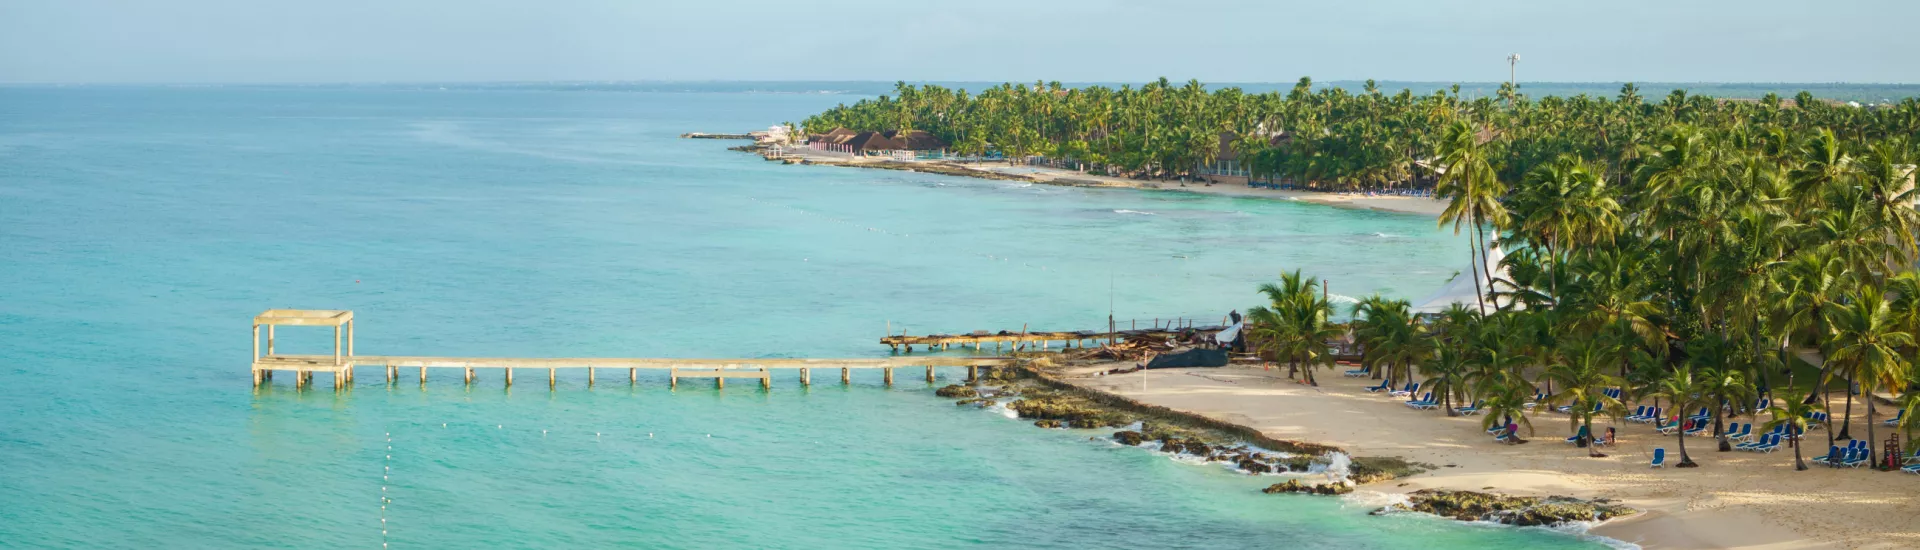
143, 227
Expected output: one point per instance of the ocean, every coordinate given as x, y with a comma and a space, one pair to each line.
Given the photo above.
143, 226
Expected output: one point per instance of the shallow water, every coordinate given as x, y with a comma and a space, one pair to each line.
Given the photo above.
143, 226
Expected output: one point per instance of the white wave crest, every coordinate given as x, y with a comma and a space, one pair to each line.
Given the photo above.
1126, 211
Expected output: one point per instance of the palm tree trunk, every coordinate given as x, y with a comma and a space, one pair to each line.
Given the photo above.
1872, 459
1725, 446
1846, 421
1799, 464
1685, 461
1586, 437
1473, 264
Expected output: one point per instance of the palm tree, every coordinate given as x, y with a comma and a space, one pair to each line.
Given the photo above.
1867, 346
1390, 334
1794, 416
1296, 321
1469, 182
1446, 375
1505, 404
1581, 374
1684, 393
1726, 387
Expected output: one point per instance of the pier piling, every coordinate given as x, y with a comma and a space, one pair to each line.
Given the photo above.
343, 362
973, 373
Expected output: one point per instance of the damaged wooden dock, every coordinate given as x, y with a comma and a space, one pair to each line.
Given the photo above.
343, 361
1041, 339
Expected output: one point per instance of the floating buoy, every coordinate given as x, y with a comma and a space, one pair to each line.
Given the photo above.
498, 426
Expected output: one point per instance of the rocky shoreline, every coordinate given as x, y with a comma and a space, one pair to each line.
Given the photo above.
1048, 402
1509, 510
1034, 394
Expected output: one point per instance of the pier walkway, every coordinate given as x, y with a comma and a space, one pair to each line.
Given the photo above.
1043, 339
343, 360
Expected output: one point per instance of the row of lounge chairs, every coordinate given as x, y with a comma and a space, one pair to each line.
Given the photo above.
1851, 456
1644, 415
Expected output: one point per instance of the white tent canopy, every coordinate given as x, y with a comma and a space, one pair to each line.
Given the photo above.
1460, 290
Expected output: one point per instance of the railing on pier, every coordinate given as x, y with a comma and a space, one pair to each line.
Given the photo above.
343, 361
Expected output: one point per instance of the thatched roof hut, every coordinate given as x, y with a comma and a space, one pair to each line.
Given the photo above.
837, 137
870, 141
916, 140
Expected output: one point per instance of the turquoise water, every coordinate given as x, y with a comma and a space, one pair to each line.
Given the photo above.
142, 227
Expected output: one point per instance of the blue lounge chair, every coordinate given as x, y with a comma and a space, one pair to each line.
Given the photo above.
1698, 429
1745, 433
1854, 458
1384, 386
1470, 409
1914, 469
1915, 457
1895, 421
1702, 415
1665, 427
1758, 442
1355, 373
1831, 458
1651, 415
1576, 435
1816, 420
1659, 457
1423, 402
1411, 387
1427, 402
1770, 444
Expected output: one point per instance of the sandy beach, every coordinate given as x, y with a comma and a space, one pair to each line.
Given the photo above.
1733, 500
1224, 186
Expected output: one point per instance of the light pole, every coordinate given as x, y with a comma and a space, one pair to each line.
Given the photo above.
1512, 60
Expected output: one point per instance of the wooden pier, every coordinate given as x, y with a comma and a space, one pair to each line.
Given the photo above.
343, 360
1045, 339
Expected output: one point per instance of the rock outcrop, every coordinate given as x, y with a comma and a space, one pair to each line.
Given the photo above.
1295, 486
1510, 510
956, 390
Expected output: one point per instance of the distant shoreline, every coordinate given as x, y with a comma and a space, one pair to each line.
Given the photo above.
1230, 186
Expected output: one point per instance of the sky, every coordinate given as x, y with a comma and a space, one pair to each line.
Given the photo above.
331, 41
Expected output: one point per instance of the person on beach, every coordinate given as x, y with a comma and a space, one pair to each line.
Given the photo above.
1513, 434
1235, 316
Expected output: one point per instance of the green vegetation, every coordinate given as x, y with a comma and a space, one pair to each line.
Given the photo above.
1330, 138
1687, 250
